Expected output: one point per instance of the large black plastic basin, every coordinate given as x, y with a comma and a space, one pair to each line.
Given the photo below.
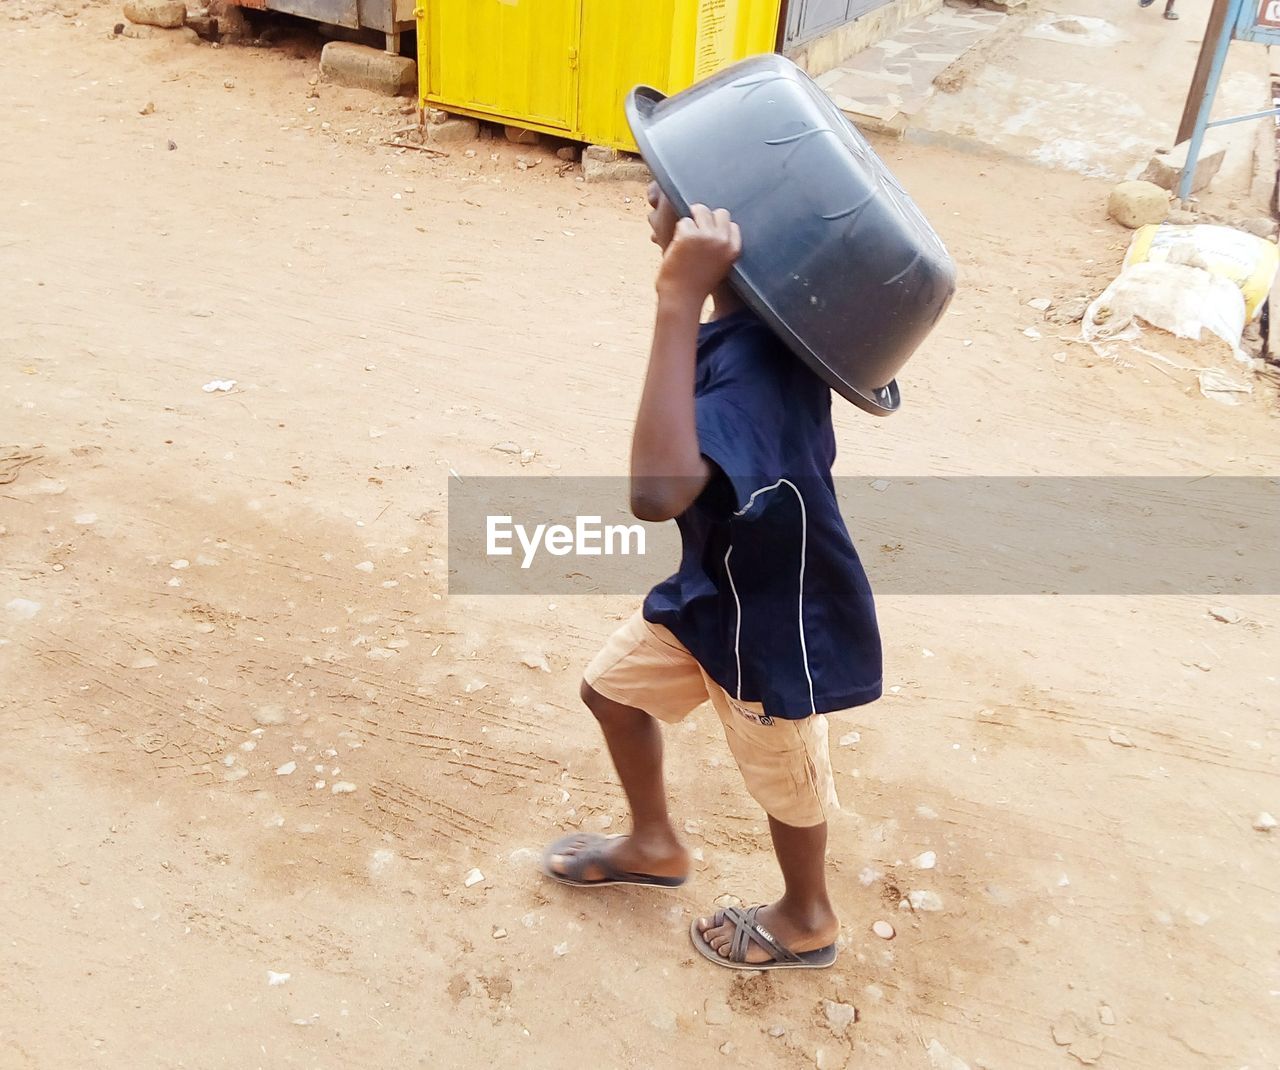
836, 258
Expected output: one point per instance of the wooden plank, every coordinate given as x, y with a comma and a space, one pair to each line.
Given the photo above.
1199, 80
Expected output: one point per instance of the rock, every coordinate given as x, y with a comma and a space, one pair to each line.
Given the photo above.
883, 930
716, 1012
1264, 822
167, 14
568, 153
1066, 1029
1119, 738
605, 165
526, 163
1040, 304
1106, 1015
777, 1031
362, 67
1182, 218
275, 979
1087, 1050
148, 108
839, 1016
453, 131
1137, 204
1260, 226
1069, 310
343, 787
183, 35
941, 1059
927, 860
269, 714
506, 447
499, 934
287, 769
849, 739
1226, 614
472, 879
1165, 168
536, 661
726, 1048
205, 25
925, 901
517, 135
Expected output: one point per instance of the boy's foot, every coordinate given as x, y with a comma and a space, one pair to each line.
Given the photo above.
797, 934
590, 859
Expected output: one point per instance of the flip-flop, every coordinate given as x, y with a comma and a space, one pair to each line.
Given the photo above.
1172, 16
588, 849
746, 929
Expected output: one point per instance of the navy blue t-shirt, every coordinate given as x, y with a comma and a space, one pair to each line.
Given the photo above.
770, 597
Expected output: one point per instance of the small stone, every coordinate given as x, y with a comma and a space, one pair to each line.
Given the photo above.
519, 136
560, 950
472, 879
927, 860
228, 84
849, 739
1032, 333
343, 787
507, 447
180, 564
526, 163
275, 979
716, 1012
1106, 1015
499, 934
726, 1048
1119, 738
1087, 1050
527, 456
1066, 1029
454, 132
839, 1016
1264, 822
365, 566
287, 769
1138, 204
148, 108
777, 1031
568, 153
880, 485
883, 930
925, 901
270, 714
536, 661
1040, 304
167, 14
1226, 614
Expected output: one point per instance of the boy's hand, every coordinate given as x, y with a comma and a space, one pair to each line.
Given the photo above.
702, 251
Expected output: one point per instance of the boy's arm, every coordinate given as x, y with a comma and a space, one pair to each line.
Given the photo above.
668, 470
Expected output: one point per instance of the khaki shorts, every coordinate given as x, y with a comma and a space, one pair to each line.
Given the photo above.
786, 764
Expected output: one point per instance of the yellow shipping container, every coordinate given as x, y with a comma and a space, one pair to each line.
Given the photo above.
564, 67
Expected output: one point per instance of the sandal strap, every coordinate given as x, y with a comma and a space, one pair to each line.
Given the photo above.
746, 929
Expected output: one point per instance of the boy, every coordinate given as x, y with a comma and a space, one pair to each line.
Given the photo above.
769, 617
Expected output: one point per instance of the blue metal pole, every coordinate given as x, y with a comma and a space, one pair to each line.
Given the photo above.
1206, 102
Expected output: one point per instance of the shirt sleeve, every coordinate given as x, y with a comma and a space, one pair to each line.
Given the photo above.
740, 417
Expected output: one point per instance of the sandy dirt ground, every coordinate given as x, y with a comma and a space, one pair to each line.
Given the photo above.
217, 608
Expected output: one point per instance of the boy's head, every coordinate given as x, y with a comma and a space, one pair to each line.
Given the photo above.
662, 218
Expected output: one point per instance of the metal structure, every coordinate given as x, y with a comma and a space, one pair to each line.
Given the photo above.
803, 20
388, 17
564, 67
1257, 21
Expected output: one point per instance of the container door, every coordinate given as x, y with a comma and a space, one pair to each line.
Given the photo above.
508, 59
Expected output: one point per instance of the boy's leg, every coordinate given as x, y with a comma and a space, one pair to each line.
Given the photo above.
635, 744
1169, 13
803, 919
787, 768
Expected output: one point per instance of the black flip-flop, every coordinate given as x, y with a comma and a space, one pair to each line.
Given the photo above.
586, 849
746, 929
